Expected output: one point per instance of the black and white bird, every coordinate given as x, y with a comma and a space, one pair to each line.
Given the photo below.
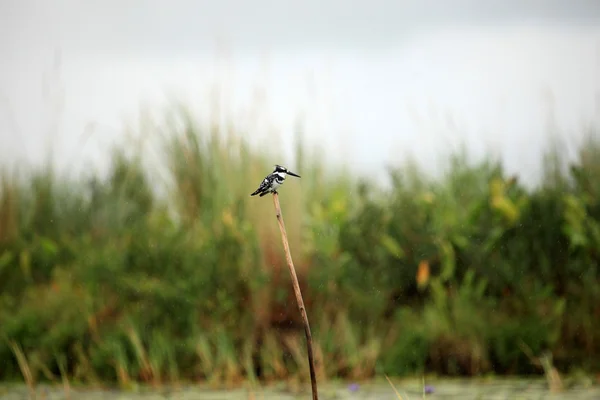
272, 181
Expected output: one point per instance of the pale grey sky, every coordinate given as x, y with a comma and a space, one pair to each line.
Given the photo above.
186, 26
375, 80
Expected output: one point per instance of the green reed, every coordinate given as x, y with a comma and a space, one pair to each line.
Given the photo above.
109, 279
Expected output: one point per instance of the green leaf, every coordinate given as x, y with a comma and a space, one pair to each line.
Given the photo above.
49, 246
392, 246
448, 260
5, 259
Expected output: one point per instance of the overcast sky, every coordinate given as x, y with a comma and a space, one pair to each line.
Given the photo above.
375, 81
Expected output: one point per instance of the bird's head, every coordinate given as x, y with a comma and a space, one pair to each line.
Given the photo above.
284, 170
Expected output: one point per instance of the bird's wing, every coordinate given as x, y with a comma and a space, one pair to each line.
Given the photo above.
264, 185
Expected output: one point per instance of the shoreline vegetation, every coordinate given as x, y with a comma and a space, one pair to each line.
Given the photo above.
103, 281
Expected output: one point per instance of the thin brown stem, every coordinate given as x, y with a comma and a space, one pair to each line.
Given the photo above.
288, 256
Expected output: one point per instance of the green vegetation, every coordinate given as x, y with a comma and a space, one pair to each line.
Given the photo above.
104, 280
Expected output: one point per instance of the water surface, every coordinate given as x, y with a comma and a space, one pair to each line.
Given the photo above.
518, 389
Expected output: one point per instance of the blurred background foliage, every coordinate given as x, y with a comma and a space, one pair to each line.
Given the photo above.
107, 279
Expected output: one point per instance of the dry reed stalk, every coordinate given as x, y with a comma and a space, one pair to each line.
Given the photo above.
288, 256
24, 366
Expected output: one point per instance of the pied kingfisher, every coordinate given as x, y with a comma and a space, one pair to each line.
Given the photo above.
272, 181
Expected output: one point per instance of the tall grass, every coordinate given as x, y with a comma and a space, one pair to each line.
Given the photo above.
104, 280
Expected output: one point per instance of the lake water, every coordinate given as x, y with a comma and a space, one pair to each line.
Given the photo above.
409, 389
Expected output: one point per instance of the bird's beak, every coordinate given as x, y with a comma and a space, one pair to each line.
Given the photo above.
293, 174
